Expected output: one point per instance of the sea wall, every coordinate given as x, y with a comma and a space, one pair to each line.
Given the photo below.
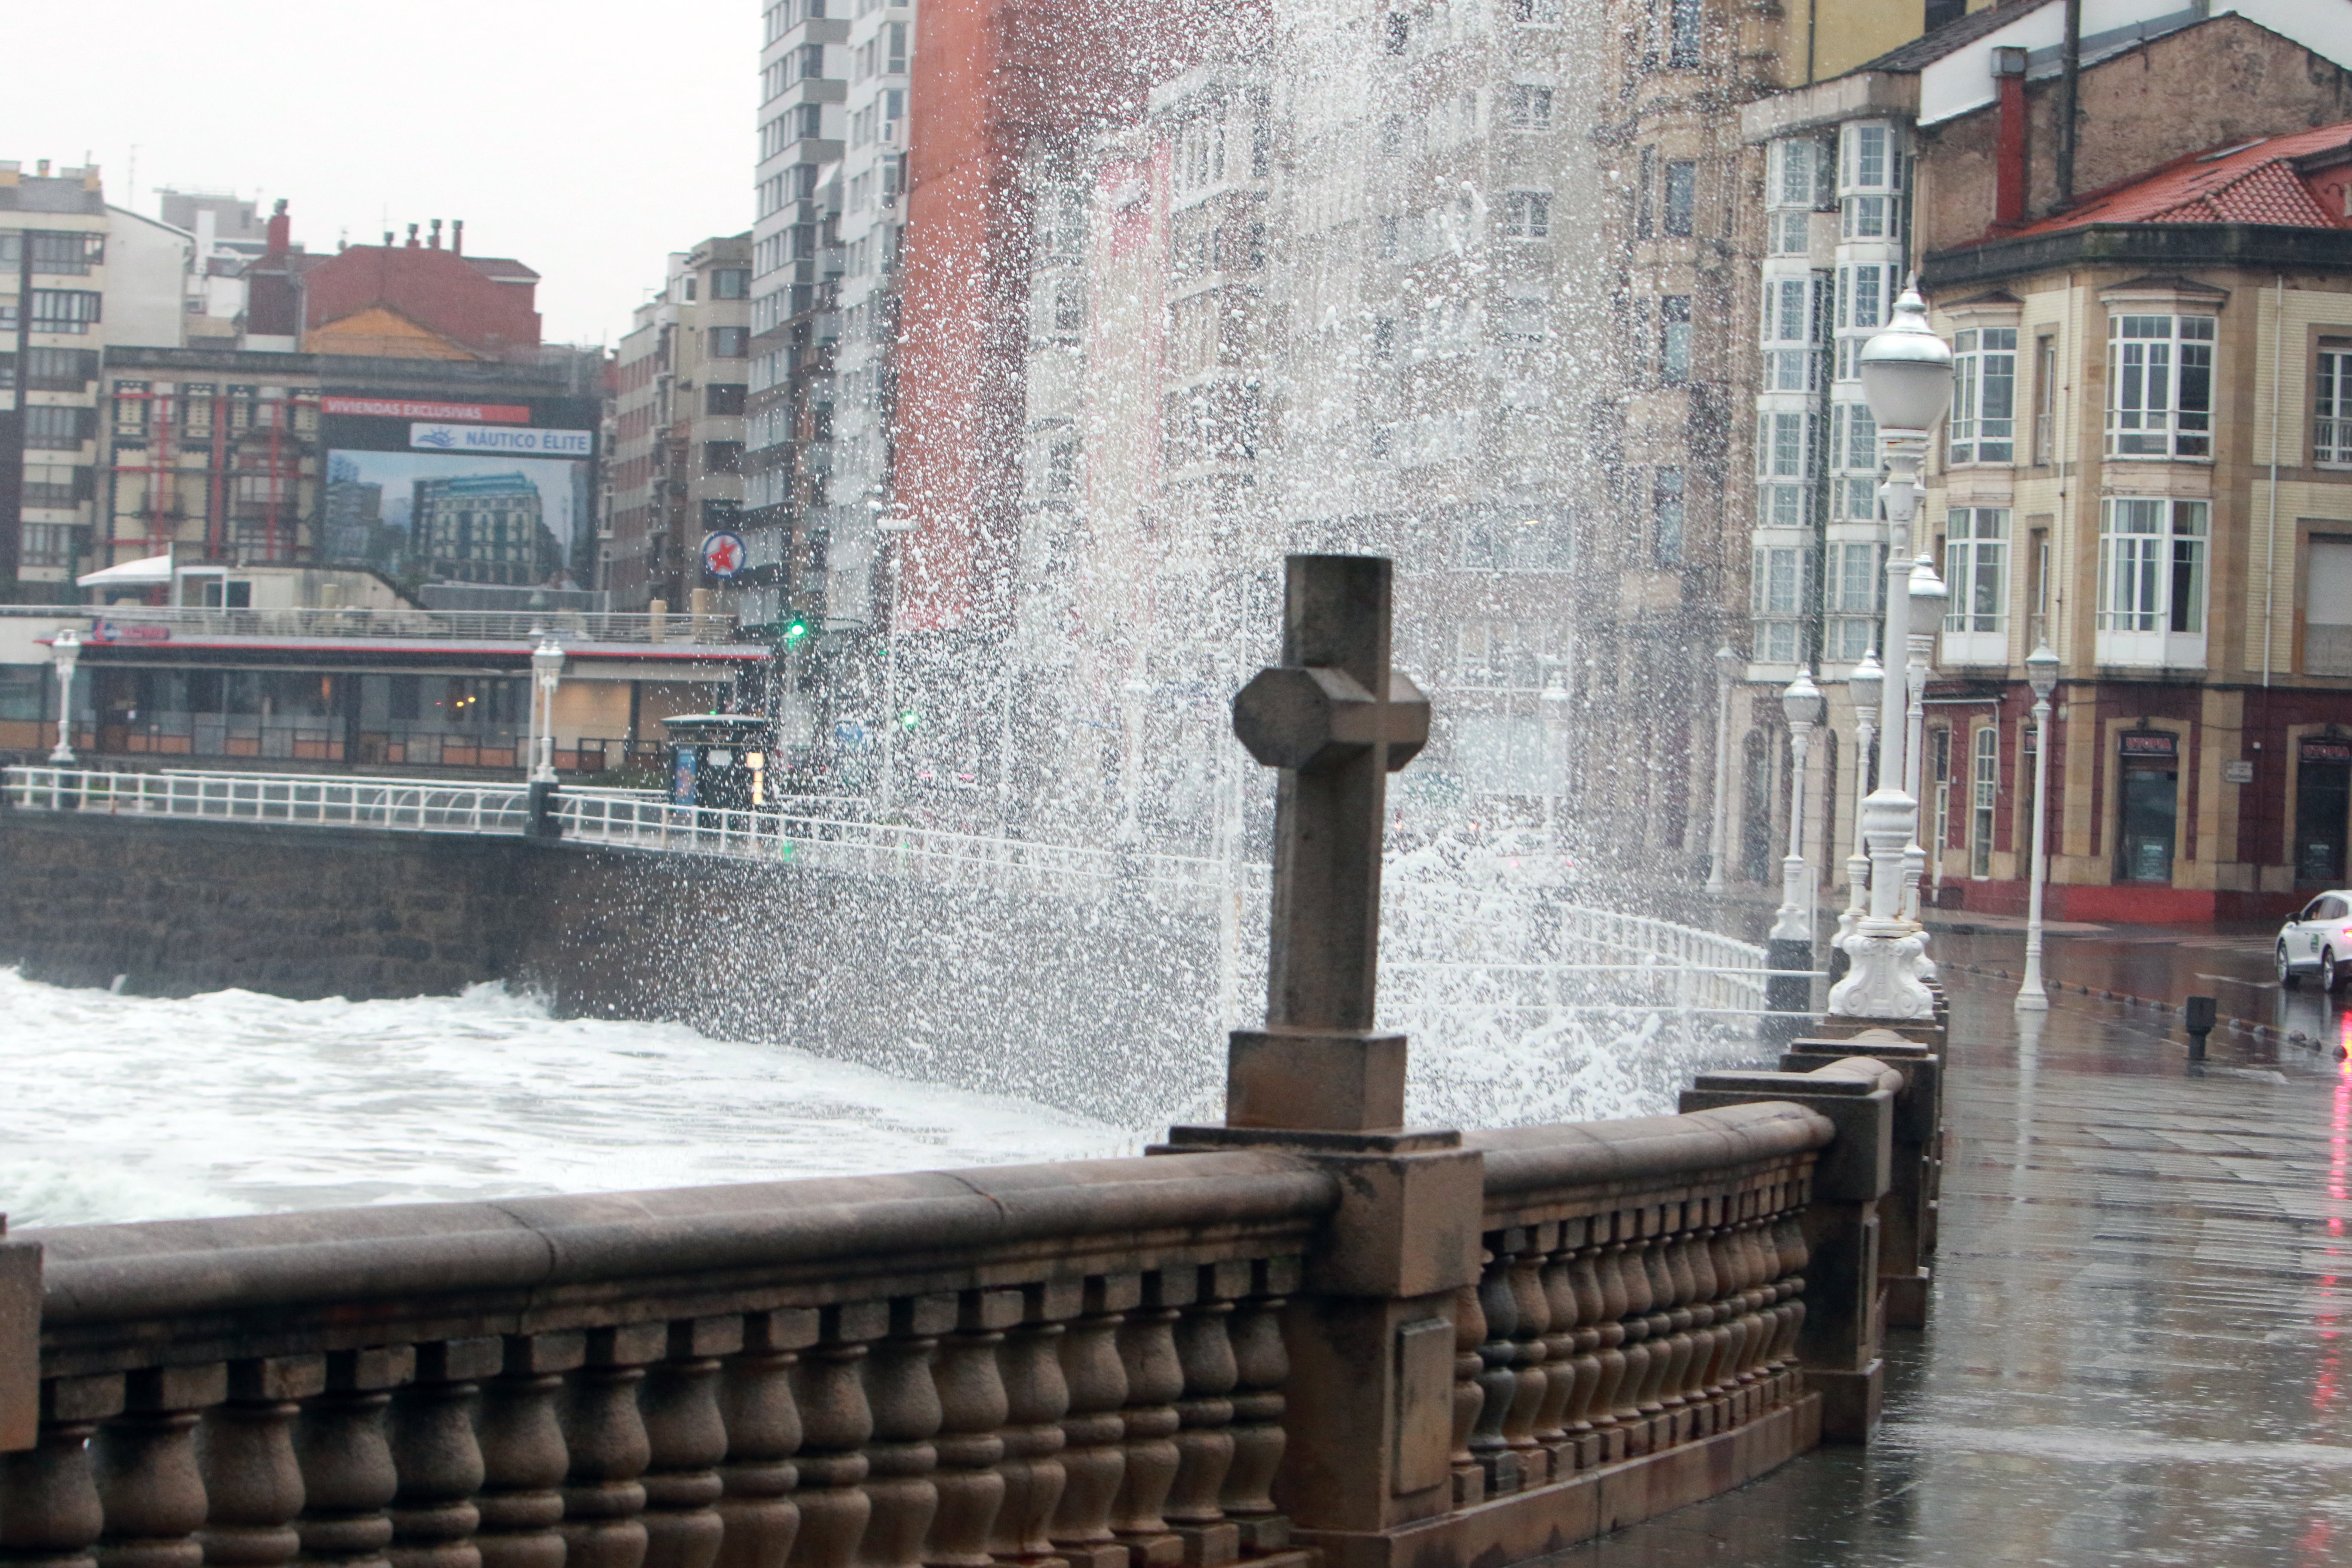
1103, 1004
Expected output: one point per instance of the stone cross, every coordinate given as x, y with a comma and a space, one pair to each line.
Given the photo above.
1337, 720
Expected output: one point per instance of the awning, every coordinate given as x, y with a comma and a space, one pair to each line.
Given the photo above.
155, 572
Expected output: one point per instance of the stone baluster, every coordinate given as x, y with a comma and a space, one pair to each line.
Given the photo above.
1093, 1461
764, 1433
1155, 1380
50, 1515
901, 1458
1469, 1396
150, 1484
836, 1422
1036, 1398
1712, 1328
1681, 1315
1628, 1256
1497, 1382
245, 1451
686, 1437
1577, 1419
1261, 1368
1609, 1269
973, 1409
1205, 1436
605, 1437
1560, 1318
1661, 1328
1532, 1311
438, 1456
348, 1477
523, 1457
1787, 1231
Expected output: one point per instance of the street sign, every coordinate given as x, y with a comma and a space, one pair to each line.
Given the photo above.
722, 555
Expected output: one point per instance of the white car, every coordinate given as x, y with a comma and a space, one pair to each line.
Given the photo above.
2317, 939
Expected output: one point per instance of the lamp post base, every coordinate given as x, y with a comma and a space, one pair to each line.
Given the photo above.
1884, 981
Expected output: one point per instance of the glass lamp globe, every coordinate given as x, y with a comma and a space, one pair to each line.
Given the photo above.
2042, 672
1867, 684
1800, 702
1907, 369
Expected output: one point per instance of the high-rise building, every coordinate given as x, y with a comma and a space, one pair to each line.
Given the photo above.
483, 527
678, 403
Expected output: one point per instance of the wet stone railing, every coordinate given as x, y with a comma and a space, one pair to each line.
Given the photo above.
1089, 1363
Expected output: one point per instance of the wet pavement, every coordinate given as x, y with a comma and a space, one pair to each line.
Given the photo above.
2137, 1350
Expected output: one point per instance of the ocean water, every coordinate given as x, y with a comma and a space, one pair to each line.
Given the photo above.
124, 1108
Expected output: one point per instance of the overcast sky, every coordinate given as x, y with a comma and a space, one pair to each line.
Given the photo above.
585, 138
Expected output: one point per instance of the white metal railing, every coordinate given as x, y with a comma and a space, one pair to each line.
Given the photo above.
1513, 949
299, 800
123, 621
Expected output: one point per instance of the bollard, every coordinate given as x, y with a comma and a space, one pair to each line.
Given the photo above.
2199, 1018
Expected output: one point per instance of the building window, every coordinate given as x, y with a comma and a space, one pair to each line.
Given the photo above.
723, 397
894, 39
723, 456
730, 283
731, 343
1862, 297
1683, 19
1781, 445
74, 311
1536, 12
2331, 425
49, 428
2152, 565
1527, 108
1062, 467
2045, 399
1857, 593
1775, 594
2161, 386
1666, 517
1853, 453
1070, 307
1792, 362
1982, 428
1527, 214
1976, 569
1681, 198
1400, 32
1523, 541
1869, 158
1984, 794
1798, 176
1789, 233
1675, 339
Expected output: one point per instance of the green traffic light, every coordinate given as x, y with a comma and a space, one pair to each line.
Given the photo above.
795, 630
908, 719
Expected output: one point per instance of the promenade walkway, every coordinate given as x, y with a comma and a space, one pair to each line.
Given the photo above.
2141, 1349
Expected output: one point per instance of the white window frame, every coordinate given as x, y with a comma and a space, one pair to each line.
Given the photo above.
1982, 425
1976, 574
1984, 799
2331, 409
2155, 570
2151, 372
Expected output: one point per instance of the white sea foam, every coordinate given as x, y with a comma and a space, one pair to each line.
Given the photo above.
121, 1108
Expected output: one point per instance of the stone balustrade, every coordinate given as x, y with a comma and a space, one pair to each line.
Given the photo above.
1088, 1365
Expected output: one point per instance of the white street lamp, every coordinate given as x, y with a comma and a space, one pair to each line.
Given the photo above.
547, 672
1929, 599
65, 651
1726, 671
2042, 671
1907, 375
1790, 944
1867, 687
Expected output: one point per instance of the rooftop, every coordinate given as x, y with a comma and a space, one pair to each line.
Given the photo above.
2299, 181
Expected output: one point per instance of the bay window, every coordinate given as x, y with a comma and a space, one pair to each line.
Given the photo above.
1983, 424
1776, 595
2161, 386
2152, 556
1857, 592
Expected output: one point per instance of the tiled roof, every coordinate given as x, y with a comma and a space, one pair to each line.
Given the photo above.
2260, 182
1927, 50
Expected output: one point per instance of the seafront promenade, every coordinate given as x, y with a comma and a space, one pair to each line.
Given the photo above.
2138, 1351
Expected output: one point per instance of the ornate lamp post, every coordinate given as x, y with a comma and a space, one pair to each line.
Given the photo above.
65, 651
1907, 375
1929, 598
547, 672
1790, 945
2042, 671
1726, 671
1867, 687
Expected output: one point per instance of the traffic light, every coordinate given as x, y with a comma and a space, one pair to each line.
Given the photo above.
796, 631
909, 718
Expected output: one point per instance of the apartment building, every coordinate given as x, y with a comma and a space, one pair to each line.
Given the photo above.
681, 387
2078, 280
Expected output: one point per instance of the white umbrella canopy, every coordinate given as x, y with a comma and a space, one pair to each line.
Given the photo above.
155, 572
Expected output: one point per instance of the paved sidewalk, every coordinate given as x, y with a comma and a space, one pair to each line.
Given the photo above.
2139, 1344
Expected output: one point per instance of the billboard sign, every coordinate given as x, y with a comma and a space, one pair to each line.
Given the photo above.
498, 493
499, 438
